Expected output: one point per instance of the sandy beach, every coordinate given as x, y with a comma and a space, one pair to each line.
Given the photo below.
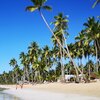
53, 91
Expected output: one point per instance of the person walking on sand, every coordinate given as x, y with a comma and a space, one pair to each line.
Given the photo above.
20, 83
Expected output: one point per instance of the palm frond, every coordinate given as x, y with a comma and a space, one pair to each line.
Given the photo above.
47, 8
95, 3
60, 14
31, 8
42, 2
35, 2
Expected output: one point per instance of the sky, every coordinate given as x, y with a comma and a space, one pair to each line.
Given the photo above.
18, 28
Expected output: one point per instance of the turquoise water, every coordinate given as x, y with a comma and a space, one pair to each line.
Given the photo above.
4, 96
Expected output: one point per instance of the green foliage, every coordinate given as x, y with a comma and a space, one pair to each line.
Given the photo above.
38, 63
38, 4
31, 8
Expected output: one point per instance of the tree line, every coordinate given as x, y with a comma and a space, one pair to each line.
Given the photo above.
48, 64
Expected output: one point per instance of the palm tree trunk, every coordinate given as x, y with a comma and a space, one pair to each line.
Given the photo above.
96, 58
95, 3
27, 73
62, 67
81, 64
75, 66
24, 76
89, 69
89, 73
13, 78
63, 55
98, 45
50, 29
16, 77
32, 74
67, 52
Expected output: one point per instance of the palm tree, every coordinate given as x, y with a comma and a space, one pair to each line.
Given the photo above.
89, 68
5, 77
13, 63
46, 60
58, 70
22, 58
60, 54
38, 5
95, 3
68, 68
10, 77
80, 43
92, 30
61, 24
33, 52
85, 44
25, 62
40, 60
77, 52
16, 71
47, 56
81, 47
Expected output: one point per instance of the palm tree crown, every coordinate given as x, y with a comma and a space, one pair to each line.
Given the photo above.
38, 5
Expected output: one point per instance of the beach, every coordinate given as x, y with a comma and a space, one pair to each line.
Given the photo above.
59, 91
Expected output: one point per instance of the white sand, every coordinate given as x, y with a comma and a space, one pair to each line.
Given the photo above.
56, 91
35, 94
29, 94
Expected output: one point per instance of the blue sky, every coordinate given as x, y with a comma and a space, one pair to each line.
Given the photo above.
19, 28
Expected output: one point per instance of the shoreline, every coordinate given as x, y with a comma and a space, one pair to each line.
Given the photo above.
59, 91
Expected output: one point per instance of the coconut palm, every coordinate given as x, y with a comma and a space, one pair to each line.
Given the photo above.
33, 52
16, 71
89, 69
37, 58
61, 24
77, 52
60, 31
25, 62
10, 77
39, 5
60, 54
58, 70
92, 29
22, 58
5, 77
84, 46
80, 43
95, 3
13, 63
47, 56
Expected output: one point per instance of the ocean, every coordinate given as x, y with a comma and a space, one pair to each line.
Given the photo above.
4, 96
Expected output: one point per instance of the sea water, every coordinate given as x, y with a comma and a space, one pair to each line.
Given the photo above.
4, 96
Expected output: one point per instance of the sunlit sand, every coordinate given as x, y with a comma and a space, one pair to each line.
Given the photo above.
59, 91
